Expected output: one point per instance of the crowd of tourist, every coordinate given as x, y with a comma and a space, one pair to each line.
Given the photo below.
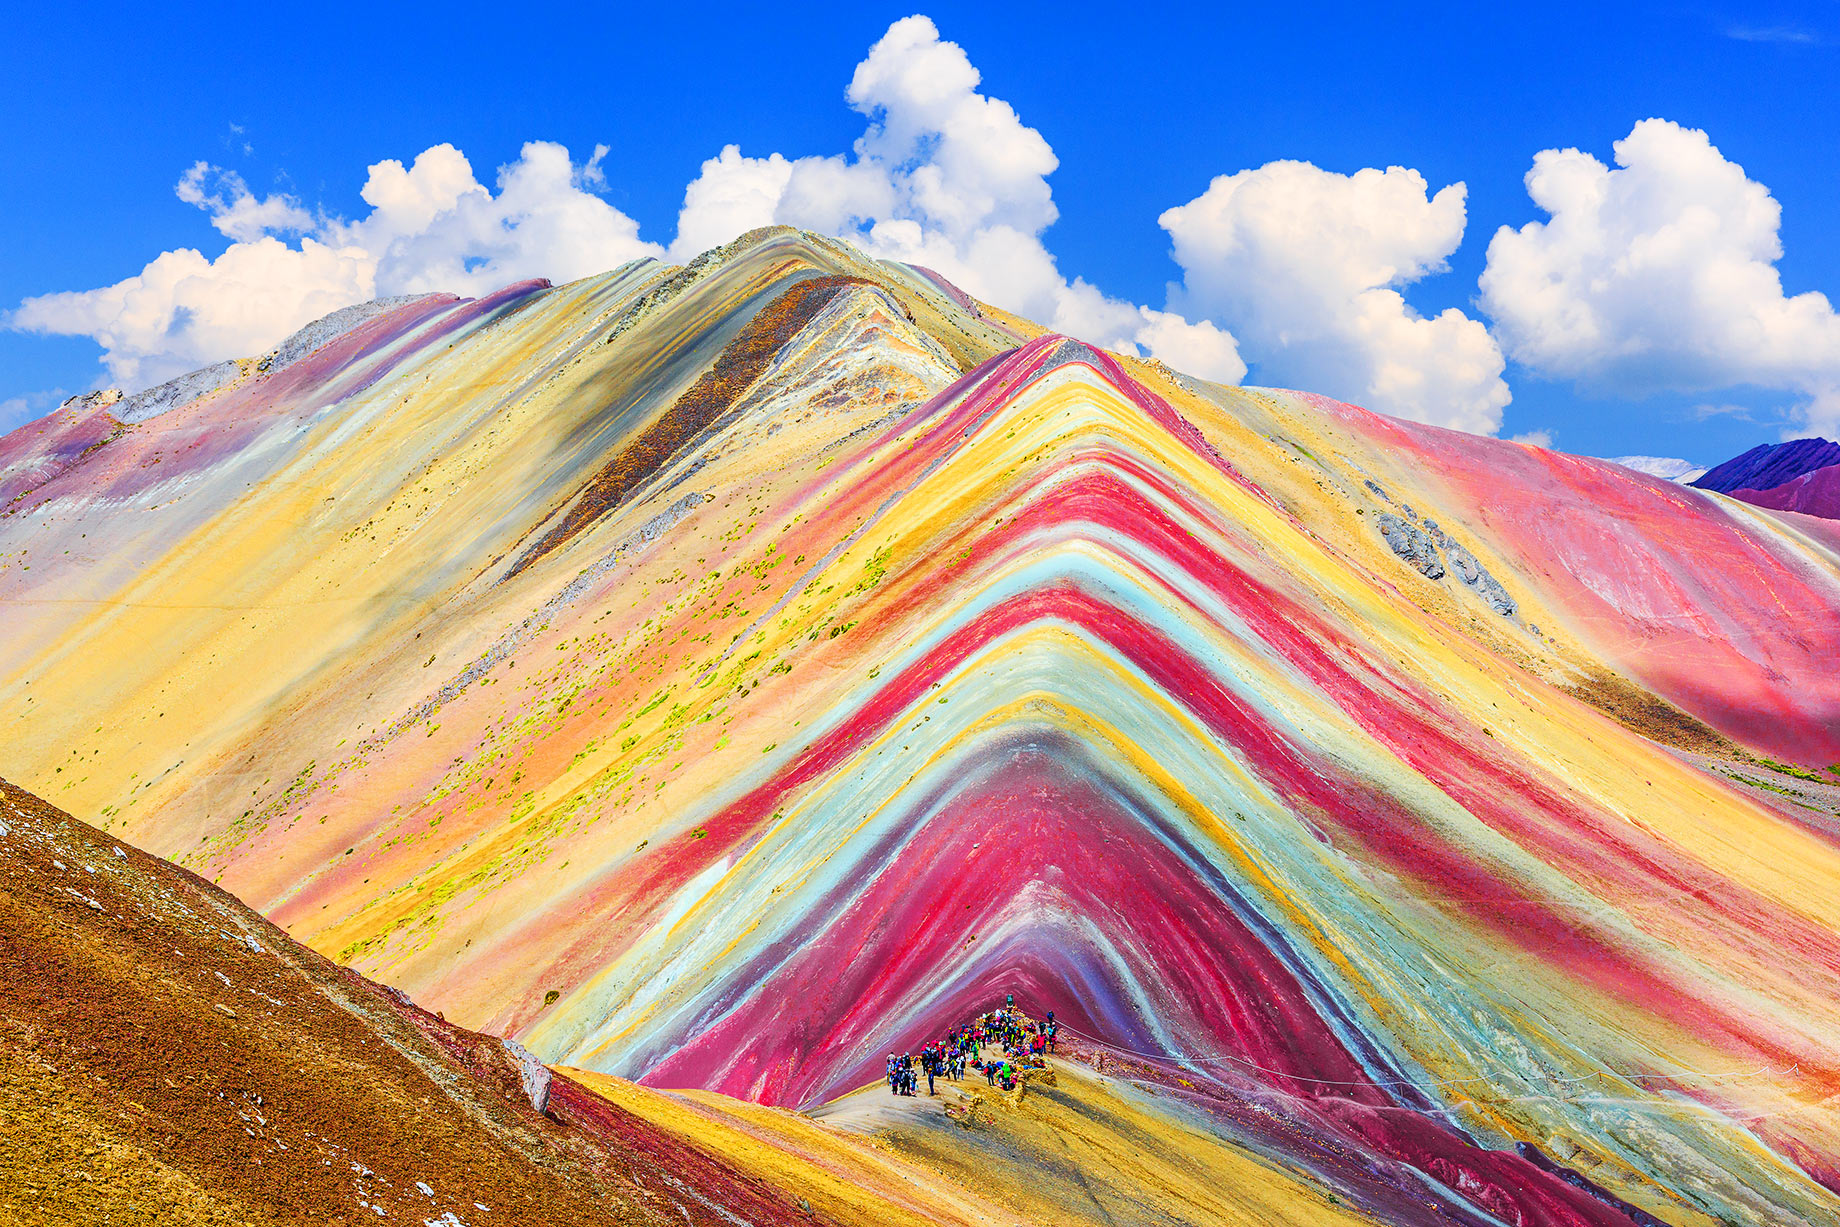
1021, 1043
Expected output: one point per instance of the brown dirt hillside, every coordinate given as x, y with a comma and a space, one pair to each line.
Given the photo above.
167, 1056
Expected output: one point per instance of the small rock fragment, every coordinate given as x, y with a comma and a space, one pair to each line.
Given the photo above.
533, 1073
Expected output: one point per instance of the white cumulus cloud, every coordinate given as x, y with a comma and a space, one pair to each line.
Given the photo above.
183, 311
946, 177
1304, 265
432, 226
943, 175
1659, 275
237, 212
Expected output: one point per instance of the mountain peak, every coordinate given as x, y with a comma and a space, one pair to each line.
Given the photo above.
721, 676
1770, 464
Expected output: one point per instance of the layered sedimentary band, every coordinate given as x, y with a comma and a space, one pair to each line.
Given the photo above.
1398, 800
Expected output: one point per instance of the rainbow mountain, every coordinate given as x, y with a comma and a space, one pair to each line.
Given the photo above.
716, 677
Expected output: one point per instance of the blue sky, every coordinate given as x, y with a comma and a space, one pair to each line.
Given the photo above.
106, 110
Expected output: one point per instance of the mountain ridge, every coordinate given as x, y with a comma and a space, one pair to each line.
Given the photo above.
1815, 492
949, 658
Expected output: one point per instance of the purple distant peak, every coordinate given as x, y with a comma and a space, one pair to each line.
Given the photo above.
1814, 493
1769, 465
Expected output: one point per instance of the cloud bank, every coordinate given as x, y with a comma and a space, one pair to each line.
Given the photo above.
1655, 275
1659, 275
432, 226
1304, 266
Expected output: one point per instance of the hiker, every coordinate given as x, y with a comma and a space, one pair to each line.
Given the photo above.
1021, 1043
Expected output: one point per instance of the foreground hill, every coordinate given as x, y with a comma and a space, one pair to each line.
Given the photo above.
167, 1056
719, 676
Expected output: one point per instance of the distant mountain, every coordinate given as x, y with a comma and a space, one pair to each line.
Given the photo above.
1667, 468
1769, 465
1815, 493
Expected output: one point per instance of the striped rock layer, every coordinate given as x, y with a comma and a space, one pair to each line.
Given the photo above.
721, 676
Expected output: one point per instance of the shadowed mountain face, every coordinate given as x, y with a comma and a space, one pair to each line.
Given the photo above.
1814, 493
1802, 475
1769, 465
720, 676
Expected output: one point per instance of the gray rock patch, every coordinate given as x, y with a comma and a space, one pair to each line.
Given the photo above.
329, 328
181, 391
532, 1073
189, 387
100, 399
1411, 543
1472, 572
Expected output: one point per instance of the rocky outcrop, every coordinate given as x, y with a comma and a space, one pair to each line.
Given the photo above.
533, 1075
1411, 543
1419, 545
1473, 572
164, 398
89, 401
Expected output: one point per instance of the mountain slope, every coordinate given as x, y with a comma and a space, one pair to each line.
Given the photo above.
719, 682
168, 1056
